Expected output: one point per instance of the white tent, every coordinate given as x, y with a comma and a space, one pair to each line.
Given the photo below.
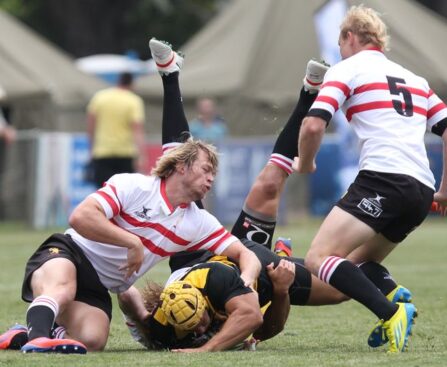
41, 82
253, 55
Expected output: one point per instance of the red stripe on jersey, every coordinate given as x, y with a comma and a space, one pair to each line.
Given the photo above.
385, 86
343, 87
218, 243
416, 91
326, 99
430, 93
435, 109
164, 196
419, 110
370, 87
378, 105
116, 194
152, 247
211, 237
113, 205
157, 227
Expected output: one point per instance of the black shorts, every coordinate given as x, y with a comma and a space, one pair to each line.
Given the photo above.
89, 288
391, 204
299, 291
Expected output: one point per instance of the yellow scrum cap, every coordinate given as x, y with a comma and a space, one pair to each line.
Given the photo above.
183, 305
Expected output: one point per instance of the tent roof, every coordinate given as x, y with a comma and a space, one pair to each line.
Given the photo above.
30, 65
260, 52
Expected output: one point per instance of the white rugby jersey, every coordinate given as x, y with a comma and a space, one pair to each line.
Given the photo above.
139, 204
389, 108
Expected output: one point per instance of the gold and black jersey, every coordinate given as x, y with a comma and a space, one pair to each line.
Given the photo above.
219, 281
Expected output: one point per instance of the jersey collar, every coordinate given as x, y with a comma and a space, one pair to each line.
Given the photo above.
167, 206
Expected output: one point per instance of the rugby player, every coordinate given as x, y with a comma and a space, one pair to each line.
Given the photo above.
390, 109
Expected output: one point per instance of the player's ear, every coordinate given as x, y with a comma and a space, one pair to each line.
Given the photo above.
180, 168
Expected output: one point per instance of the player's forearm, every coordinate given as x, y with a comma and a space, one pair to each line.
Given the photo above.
90, 222
309, 141
250, 267
131, 303
275, 317
237, 328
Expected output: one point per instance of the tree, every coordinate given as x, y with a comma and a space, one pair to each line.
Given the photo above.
86, 27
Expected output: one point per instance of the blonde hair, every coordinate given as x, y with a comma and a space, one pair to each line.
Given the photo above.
151, 295
367, 24
186, 153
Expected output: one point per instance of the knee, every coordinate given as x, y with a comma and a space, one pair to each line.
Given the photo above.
269, 188
94, 343
313, 261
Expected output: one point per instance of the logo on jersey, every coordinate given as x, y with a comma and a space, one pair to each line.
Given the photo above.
53, 250
143, 213
372, 206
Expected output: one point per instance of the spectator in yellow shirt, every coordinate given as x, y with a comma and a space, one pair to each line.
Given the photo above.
115, 118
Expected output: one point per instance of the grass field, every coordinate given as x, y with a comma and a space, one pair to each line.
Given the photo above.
314, 336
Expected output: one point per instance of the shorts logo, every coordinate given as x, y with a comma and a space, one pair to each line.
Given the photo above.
371, 206
53, 250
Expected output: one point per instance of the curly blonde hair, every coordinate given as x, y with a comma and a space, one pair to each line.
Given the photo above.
151, 295
186, 153
367, 24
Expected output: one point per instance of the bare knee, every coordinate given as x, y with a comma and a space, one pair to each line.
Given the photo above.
94, 344
268, 187
313, 260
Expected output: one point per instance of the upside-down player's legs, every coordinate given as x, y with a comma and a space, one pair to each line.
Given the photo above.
175, 128
257, 219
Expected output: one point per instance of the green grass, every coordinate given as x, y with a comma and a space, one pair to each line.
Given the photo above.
314, 336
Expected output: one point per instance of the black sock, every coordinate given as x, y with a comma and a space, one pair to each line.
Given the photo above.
350, 280
287, 141
255, 228
379, 275
175, 126
39, 320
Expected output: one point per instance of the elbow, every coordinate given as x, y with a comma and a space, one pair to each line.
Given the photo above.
75, 218
313, 126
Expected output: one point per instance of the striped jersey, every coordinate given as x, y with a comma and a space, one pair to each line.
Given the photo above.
138, 204
389, 108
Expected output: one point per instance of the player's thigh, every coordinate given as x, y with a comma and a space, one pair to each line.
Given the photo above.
339, 234
88, 324
376, 249
55, 278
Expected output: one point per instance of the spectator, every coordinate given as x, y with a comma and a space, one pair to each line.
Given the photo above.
115, 127
208, 125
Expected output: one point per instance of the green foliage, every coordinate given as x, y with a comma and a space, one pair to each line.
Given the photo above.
314, 336
113, 26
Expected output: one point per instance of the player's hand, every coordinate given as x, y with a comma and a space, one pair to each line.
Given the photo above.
299, 166
135, 256
282, 276
248, 281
